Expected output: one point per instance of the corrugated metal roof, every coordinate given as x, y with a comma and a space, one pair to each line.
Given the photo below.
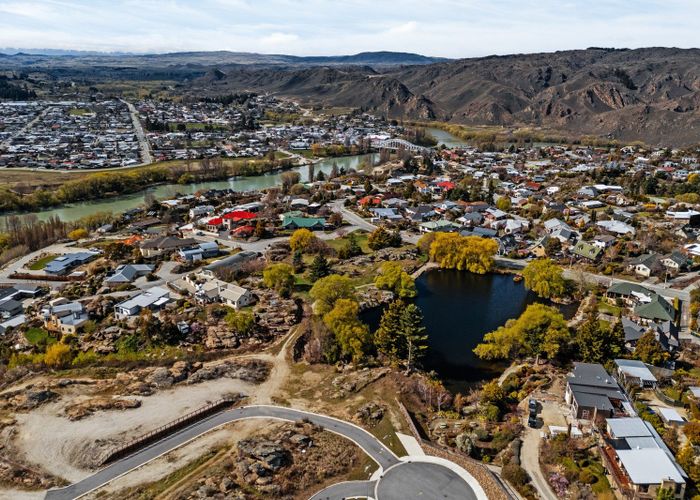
649, 466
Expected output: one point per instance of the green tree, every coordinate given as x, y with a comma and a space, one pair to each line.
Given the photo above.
401, 334
327, 291
386, 338
352, 335
298, 261
279, 277
552, 247
259, 229
394, 278
242, 322
503, 203
597, 343
351, 249
319, 268
413, 335
665, 494
649, 350
540, 330
545, 278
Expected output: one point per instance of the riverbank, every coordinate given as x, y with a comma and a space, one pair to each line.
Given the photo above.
162, 189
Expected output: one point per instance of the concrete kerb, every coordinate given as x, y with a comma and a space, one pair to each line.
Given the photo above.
341, 483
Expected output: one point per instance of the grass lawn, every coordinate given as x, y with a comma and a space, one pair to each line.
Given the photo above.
78, 111
39, 336
360, 236
610, 309
40, 264
280, 155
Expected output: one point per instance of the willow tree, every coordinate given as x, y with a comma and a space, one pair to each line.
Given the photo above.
465, 253
539, 331
545, 278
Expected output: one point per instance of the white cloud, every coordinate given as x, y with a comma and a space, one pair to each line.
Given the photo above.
278, 40
453, 28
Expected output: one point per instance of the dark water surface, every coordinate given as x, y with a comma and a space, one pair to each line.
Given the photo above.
459, 308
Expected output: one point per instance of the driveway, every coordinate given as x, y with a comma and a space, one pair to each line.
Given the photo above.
530, 461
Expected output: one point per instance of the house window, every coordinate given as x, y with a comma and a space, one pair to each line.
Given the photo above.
585, 414
643, 488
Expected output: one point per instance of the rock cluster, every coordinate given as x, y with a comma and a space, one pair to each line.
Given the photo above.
356, 381
370, 413
78, 411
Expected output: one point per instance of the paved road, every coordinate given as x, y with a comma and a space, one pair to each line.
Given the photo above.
371, 445
422, 480
146, 156
348, 489
26, 127
352, 217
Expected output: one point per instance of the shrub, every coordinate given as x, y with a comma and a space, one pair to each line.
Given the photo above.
515, 475
587, 477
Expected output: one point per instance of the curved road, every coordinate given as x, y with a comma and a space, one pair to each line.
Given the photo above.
348, 489
369, 444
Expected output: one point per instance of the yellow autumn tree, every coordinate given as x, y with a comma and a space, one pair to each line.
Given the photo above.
58, 355
302, 240
465, 253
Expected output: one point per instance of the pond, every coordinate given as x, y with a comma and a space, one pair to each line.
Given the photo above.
459, 309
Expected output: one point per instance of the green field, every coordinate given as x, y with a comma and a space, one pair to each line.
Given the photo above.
39, 336
41, 263
360, 236
78, 111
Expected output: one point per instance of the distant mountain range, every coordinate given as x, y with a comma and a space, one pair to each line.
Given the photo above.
650, 94
59, 58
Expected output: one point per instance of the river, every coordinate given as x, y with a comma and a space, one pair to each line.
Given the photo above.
459, 309
120, 204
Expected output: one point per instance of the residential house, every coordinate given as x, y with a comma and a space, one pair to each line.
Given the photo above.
64, 316
204, 250
438, 226
312, 223
616, 227
127, 273
635, 372
207, 288
592, 393
587, 251
153, 299
639, 461
164, 245
64, 263
646, 265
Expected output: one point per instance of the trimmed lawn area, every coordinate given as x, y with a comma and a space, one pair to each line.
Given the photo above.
39, 336
40, 264
610, 309
360, 236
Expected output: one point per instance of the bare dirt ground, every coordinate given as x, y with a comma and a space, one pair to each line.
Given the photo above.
48, 439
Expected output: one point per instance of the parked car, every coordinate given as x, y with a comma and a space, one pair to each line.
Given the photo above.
532, 421
532, 405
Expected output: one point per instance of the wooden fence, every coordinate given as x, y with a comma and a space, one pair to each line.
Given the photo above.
165, 430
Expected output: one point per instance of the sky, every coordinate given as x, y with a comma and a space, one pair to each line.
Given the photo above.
448, 28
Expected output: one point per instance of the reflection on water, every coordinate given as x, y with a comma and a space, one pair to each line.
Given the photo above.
459, 308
